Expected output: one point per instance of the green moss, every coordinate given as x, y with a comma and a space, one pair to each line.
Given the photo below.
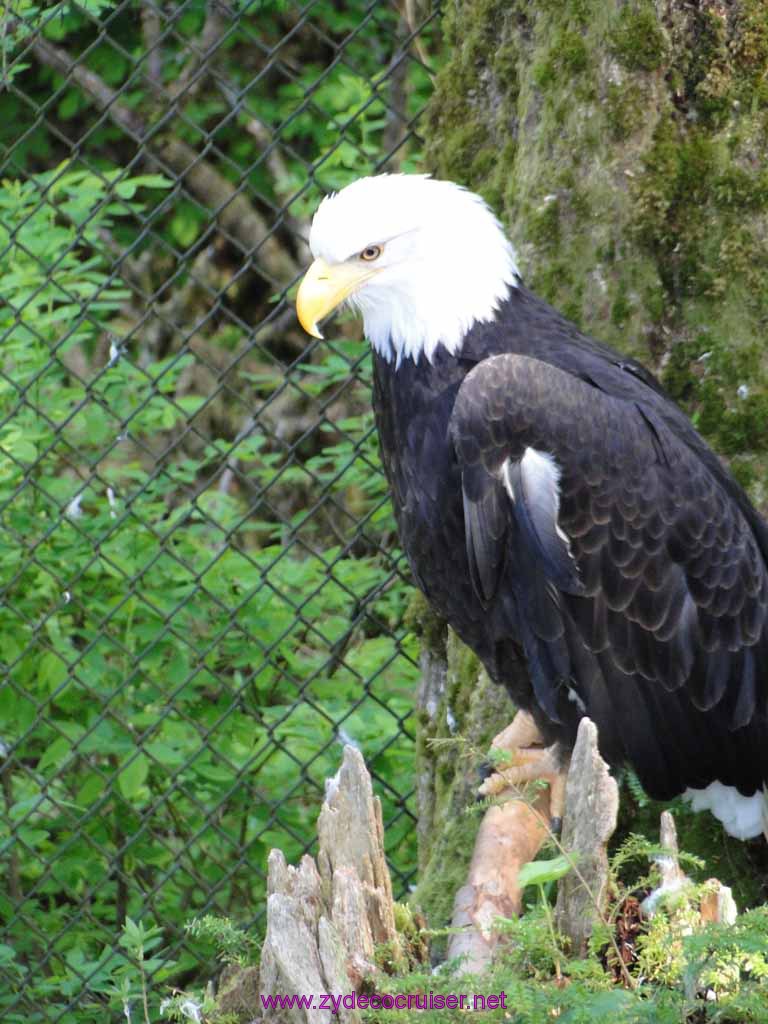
708, 377
445, 873
743, 427
622, 103
421, 620
678, 377
637, 39
745, 470
473, 149
653, 302
544, 224
621, 308
410, 926
738, 189
655, 190
567, 56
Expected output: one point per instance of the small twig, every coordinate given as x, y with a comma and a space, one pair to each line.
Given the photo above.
551, 926
412, 21
144, 992
281, 177
396, 117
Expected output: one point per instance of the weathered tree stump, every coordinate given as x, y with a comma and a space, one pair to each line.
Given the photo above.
324, 920
716, 905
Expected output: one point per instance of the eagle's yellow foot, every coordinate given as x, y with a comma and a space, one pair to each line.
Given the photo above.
528, 760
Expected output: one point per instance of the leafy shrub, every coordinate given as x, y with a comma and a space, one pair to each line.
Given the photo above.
170, 710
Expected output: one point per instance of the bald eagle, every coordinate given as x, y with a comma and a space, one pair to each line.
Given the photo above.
553, 501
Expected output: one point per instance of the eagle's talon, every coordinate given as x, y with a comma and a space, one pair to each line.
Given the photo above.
527, 761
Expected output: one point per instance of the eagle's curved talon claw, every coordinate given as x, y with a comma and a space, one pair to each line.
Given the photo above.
528, 760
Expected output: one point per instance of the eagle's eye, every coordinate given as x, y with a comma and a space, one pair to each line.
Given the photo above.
371, 252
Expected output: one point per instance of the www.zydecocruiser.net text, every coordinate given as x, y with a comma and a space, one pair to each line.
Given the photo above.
386, 1001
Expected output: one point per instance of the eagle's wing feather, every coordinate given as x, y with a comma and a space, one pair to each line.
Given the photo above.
638, 586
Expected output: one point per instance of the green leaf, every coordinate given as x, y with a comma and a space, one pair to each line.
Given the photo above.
52, 671
539, 872
215, 773
56, 753
18, 447
132, 777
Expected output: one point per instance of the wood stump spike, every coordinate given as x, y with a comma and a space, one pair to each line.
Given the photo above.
325, 919
591, 812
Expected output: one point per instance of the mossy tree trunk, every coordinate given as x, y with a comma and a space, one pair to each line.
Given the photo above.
625, 146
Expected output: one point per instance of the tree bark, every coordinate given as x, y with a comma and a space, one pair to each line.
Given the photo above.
624, 145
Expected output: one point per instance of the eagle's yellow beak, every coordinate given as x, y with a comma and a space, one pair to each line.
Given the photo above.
324, 287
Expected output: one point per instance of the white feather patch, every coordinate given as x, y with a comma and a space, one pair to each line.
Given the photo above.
743, 817
542, 475
541, 479
533, 483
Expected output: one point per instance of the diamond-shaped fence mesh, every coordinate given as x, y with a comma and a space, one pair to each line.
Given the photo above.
202, 596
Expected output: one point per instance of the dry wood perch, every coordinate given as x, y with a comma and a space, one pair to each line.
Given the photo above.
324, 920
510, 835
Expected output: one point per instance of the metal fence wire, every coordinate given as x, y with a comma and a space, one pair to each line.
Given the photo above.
202, 596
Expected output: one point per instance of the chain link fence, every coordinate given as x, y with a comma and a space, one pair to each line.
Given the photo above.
202, 596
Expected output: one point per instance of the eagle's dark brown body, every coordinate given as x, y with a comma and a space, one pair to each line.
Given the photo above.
658, 626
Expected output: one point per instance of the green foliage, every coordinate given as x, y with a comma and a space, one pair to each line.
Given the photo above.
637, 39
202, 600
330, 118
533, 946
156, 672
539, 872
685, 973
233, 945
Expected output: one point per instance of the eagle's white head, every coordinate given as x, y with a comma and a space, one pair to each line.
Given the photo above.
422, 260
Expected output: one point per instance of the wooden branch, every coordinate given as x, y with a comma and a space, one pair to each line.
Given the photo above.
277, 167
233, 210
353, 865
510, 835
717, 903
